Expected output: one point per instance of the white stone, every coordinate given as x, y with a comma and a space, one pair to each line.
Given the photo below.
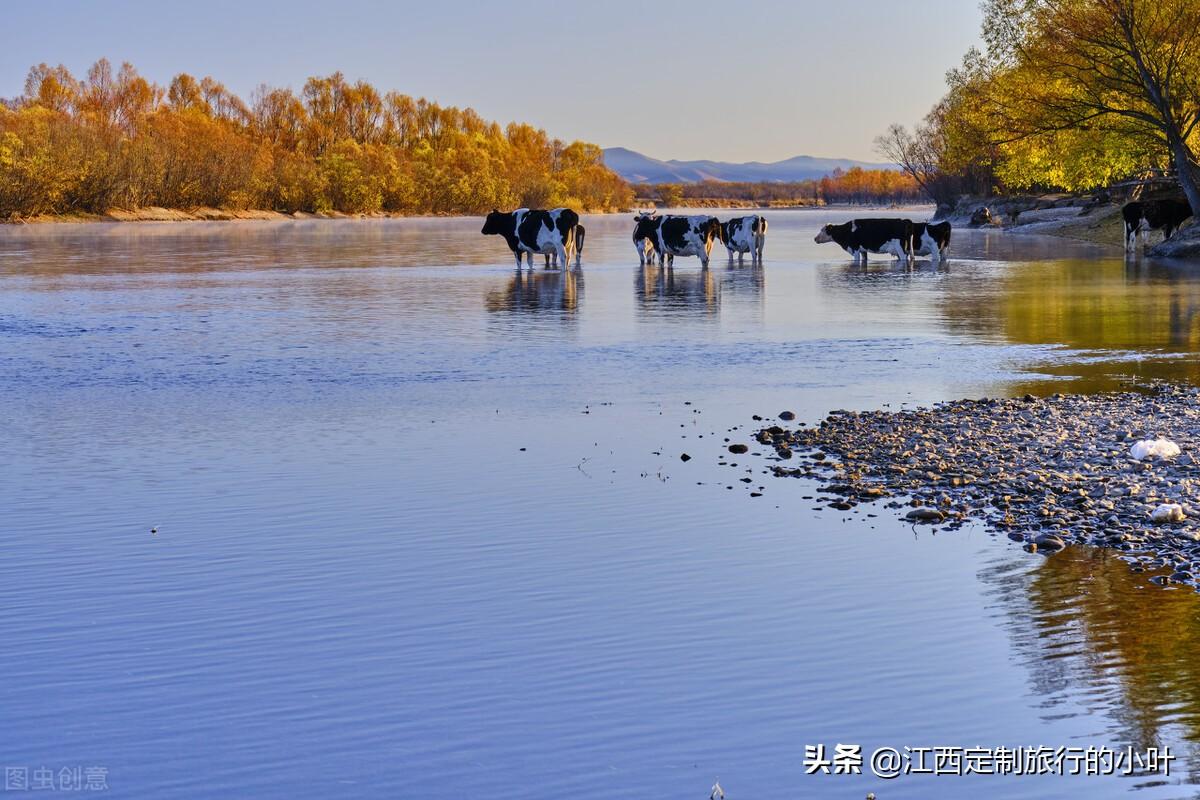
1167, 512
1156, 448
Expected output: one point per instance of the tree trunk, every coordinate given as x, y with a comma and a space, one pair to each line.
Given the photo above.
1188, 178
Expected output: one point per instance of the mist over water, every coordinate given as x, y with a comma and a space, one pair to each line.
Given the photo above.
423, 525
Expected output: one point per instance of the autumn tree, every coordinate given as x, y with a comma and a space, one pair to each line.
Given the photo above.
1129, 69
115, 139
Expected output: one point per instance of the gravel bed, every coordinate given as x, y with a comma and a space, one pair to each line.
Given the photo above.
1048, 472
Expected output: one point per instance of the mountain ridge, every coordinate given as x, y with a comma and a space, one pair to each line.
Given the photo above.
636, 167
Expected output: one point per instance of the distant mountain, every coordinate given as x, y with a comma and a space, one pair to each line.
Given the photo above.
637, 168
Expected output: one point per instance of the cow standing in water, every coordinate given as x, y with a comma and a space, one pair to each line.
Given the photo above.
643, 241
1148, 215
552, 259
861, 236
931, 239
528, 231
679, 236
743, 235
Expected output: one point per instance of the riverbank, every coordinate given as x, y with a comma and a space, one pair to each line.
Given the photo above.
719, 202
203, 214
206, 214
1047, 472
1070, 217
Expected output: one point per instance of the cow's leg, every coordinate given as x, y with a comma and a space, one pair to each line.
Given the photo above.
560, 253
517, 253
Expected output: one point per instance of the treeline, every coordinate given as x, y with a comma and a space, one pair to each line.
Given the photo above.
1065, 95
855, 185
116, 140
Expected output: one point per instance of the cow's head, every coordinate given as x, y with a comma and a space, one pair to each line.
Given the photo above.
497, 222
646, 226
826, 234
711, 229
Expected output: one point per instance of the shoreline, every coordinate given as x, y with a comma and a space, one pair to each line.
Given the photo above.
1048, 472
1076, 218
209, 214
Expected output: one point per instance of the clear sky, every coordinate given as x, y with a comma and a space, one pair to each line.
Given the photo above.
725, 80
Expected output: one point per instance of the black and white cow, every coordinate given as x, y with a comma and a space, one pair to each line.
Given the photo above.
743, 235
679, 236
552, 258
528, 231
878, 235
931, 239
1148, 215
643, 241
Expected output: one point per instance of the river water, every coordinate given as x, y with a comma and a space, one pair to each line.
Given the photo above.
423, 528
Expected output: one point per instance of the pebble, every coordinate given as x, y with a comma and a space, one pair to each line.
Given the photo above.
925, 515
1048, 472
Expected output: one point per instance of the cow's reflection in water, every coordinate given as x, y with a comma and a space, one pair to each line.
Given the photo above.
671, 289
534, 292
744, 280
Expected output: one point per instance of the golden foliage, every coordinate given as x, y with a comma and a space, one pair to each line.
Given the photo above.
116, 140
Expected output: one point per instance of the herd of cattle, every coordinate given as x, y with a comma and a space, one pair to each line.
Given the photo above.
558, 236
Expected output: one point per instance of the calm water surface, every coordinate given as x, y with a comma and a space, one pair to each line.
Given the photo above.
423, 527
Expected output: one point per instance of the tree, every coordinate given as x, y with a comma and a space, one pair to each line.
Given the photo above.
1073, 65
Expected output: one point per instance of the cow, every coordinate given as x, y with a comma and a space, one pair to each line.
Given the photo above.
1147, 215
528, 231
679, 236
743, 235
579, 234
643, 241
931, 239
875, 235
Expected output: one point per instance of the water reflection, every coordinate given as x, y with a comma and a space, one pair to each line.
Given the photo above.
529, 291
884, 274
672, 291
667, 289
1140, 318
745, 281
1095, 635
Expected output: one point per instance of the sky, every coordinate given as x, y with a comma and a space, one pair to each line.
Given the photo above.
730, 80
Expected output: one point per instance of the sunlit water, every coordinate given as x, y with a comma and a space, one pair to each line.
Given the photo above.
423, 529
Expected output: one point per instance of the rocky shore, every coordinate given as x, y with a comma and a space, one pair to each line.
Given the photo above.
1049, 472
1070, 217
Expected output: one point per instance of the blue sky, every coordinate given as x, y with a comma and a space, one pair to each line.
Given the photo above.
723, 80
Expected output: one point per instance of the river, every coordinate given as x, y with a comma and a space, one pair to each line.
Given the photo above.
422, 526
